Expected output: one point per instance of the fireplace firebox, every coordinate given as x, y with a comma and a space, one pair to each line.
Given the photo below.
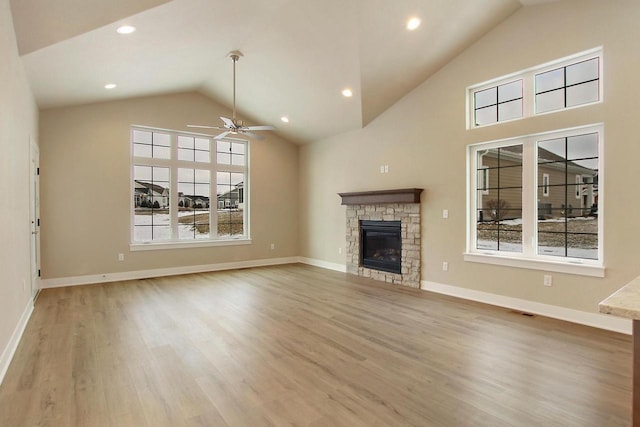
381, 245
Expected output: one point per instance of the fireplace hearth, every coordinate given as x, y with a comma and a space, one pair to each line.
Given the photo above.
381, 245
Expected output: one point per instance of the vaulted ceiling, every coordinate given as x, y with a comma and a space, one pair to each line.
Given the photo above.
299, 54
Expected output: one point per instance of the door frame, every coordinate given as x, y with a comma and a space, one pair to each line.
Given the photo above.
34, 216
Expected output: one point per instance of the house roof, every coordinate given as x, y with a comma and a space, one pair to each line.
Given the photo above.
144, 187
549, 159
299, 54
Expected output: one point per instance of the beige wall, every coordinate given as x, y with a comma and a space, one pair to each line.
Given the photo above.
85, 188
423, 140
18, 124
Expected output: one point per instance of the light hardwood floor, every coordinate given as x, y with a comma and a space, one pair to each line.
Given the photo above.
298, 345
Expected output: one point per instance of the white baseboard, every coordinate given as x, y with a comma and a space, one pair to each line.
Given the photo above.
323, 264
12, 345
602, 321
160, 272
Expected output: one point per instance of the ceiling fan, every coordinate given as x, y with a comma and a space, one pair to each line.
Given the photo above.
234, 126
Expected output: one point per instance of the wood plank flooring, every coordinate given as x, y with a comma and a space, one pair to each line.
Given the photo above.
296, 345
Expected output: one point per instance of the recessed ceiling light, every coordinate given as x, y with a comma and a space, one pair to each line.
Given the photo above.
285, 119
413, 23
110, 86
126, 29
347, 93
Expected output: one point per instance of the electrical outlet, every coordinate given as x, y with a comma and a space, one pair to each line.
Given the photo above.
120, 257
381, 168
445, 266
548, 280
445, 213
273, 246
339, 251
386, 168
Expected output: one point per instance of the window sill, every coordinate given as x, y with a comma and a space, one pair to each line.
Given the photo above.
182, 245
537, 264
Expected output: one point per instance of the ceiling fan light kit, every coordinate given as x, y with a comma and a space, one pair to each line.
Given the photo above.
232, 125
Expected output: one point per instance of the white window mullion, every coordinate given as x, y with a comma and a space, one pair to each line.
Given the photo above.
529, 198
213, 198
173, 199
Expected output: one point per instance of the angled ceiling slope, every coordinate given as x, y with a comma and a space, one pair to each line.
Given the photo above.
299, 54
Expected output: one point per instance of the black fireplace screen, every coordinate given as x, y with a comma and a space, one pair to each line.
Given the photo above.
381, 245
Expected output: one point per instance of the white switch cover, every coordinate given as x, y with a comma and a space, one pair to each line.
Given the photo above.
445, 213
445, 266
120, 257
386, 168
381, 168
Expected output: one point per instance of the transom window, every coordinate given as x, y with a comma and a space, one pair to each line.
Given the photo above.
566, 83
538, 197
498, 103
575, 84
174, 176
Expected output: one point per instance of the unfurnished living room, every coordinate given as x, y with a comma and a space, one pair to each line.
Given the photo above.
425, 213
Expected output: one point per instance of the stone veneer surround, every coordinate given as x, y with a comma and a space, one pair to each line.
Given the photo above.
409, 216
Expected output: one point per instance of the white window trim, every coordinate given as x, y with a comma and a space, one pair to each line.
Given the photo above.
546, 182
578, 191
529, 258
485, 180
174, 164
528, 90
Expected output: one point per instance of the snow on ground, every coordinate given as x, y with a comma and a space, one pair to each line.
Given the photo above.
518, 221
582, 253
161, 230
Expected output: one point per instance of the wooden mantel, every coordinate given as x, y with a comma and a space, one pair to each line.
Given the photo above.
403, 195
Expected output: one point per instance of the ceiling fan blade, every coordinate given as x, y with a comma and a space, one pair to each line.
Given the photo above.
259, 128
252, 135
228, 122
222, 135
205, 127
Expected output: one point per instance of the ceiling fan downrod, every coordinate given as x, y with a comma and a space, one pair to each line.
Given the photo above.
235, 56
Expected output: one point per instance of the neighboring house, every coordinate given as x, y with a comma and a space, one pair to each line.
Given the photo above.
232, 199
565, 188
193, 201
146, 192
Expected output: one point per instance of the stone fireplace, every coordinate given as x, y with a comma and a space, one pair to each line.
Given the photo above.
372, 217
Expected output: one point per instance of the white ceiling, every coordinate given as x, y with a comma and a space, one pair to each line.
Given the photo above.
299, 54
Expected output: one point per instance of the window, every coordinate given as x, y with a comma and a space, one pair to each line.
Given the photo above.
498, 103
571, 229
499, 207
543, 203
173, 178
566, 83
575, 84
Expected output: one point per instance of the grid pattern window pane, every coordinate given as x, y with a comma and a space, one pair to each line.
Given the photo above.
194, 213
569, 86
231, 153
151, 144
193, 149
567, 220
230, 200
499, 199
151, 203
499, 103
